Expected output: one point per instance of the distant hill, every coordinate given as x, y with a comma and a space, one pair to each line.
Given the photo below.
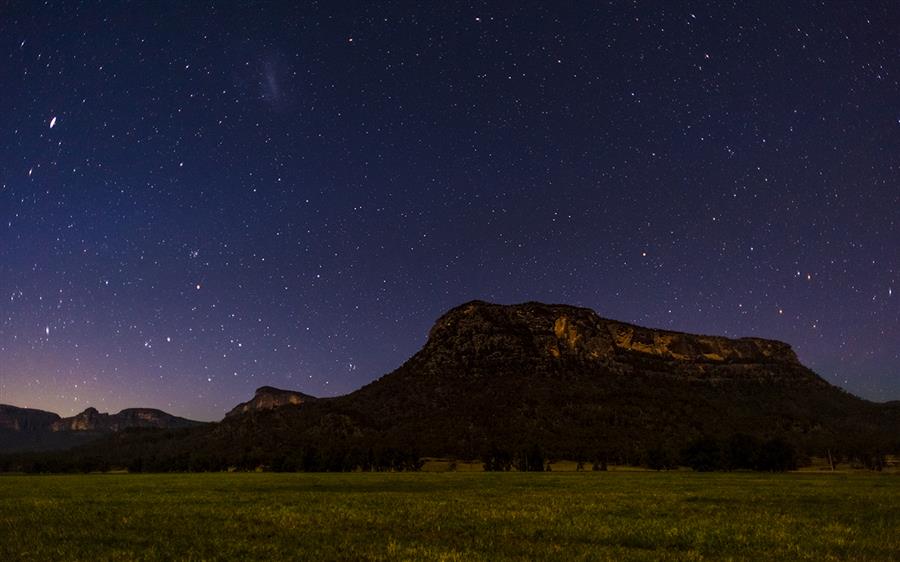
554, 377
13, 418
268, 398
37, 430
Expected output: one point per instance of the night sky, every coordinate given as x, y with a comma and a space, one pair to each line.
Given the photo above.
199, 200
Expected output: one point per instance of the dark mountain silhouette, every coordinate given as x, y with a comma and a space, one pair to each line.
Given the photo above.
553, 378
13, 418
569, 380
578, 385
29, 429
92, 420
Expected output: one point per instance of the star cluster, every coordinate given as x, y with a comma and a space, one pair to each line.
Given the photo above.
199, 199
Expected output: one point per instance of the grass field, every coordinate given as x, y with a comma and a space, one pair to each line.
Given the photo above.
451, 516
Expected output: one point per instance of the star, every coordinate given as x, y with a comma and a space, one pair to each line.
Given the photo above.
343, 199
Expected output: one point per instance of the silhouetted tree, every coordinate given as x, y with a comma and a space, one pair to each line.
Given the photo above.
531, 460
741, 452
660, 458
703, 455
776, 455
497, 460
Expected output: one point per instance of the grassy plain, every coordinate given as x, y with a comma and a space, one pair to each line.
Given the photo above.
451, 516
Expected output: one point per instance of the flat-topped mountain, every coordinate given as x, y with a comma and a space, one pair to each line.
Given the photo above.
568, 379
267, 398
92, 420
13, 418
29, 429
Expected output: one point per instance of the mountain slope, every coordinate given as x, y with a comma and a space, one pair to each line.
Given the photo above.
573, 382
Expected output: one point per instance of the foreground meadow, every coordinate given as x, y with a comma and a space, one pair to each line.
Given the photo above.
451, 516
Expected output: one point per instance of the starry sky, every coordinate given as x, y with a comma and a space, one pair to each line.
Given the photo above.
198, 199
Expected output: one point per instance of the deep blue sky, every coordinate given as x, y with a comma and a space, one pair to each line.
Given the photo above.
199, 200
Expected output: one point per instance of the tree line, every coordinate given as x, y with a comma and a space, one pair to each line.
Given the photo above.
163, 451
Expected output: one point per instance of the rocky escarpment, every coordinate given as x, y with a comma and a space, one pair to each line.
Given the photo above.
565, 339
268, 398
25, 429
561, 330
88, 420
92, 420
565, 377
13, 418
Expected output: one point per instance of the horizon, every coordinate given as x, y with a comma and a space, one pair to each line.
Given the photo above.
113, 411
198, 200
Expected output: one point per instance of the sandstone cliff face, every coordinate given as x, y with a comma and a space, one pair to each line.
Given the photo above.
87, 420
268, 398
529, 329
24, 429
13, 418
92, 420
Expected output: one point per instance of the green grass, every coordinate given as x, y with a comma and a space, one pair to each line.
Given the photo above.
451, 516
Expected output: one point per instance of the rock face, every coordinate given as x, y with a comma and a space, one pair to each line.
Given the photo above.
88, 420
557, 330
92, 420
480, 339
13, 418
268, 398
24, 429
